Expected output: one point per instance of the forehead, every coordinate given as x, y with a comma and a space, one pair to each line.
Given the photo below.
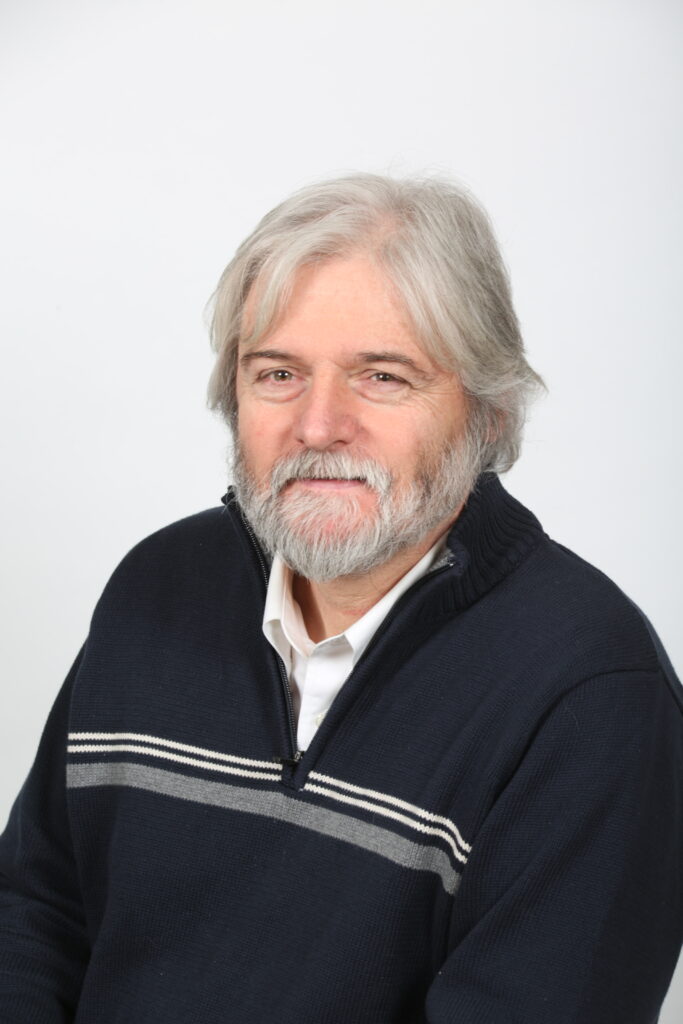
343, 302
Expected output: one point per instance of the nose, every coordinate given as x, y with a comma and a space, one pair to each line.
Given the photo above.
326, 420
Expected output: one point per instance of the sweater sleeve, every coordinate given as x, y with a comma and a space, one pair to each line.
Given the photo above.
570, 909
43, 946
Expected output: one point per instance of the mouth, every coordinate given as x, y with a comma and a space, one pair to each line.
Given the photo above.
327, 483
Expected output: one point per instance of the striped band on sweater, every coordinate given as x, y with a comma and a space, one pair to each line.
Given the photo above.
436, 843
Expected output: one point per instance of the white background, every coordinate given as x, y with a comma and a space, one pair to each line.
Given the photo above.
142, 139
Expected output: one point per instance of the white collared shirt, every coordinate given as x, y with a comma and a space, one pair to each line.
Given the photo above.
317, 672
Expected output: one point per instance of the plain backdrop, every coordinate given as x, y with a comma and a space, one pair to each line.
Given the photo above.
142, 139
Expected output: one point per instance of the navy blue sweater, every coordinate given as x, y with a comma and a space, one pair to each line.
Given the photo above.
485, 830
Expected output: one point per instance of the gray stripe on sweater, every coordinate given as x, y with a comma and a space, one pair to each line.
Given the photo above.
271, 804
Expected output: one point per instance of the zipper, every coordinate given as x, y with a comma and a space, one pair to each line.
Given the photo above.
314, 750
296, 754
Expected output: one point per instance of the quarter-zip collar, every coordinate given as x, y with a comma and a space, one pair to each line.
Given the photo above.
492, 535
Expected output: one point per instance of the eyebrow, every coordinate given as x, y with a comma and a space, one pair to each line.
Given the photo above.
266, 353
385, 356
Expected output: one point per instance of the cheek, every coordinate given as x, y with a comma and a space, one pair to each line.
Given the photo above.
262, 437
416, 444
250, 419
402, 442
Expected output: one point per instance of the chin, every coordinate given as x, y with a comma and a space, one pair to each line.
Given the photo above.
336, 514
327, 526
340, 501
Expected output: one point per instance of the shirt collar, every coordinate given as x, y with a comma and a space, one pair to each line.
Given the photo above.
283, 624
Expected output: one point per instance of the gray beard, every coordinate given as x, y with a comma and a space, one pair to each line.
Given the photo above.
323, 537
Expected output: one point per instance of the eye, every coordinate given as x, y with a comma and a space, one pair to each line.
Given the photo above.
277, 384
382, 385
383, 376
276, 376
386, 380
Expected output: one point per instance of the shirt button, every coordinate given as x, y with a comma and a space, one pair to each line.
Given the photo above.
319, 719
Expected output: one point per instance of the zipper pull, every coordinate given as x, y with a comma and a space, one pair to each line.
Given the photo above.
289, 765
291, 762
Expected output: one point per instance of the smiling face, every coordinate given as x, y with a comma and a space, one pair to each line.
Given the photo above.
344, 422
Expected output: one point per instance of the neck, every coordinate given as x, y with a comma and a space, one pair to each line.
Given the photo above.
330, 608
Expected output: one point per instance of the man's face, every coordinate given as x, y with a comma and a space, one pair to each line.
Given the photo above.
342, 382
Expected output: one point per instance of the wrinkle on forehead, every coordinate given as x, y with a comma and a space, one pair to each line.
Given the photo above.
270, 301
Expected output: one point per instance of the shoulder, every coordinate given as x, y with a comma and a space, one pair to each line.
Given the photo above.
191, 533
186, 561
568, 590
540, 613
570, 613
201, 535
557, 649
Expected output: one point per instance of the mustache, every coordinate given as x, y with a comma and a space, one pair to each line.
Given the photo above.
313, 465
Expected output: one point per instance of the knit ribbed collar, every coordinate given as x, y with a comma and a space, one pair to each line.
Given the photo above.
490, 537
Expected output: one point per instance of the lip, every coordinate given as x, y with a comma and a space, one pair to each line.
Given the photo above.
311, 483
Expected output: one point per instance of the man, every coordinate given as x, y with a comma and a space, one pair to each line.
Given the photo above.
364, 745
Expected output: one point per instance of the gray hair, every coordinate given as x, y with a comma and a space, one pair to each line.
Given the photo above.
436, 246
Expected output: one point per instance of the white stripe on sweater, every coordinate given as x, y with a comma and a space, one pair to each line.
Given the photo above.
110, 748
387, 813
137, 737
396, 802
